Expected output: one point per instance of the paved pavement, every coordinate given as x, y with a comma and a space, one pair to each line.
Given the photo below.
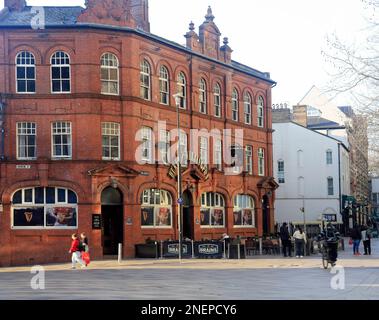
259, 278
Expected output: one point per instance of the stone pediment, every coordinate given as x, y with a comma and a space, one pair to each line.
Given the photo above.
109, 12
114, 171
268, 183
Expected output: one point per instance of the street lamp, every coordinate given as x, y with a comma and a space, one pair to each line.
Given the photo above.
178, 97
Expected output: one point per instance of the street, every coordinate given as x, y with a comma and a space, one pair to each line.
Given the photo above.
261, 278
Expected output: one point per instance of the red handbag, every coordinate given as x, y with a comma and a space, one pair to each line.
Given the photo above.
350, 242
86, 258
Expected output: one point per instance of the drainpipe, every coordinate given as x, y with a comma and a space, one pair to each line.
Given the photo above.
339, 176
2, 128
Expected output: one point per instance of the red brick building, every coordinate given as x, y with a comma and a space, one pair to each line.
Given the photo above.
76, 85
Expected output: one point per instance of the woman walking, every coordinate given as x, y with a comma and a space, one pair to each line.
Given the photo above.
300, 240
84, 247
356, 237
75, 251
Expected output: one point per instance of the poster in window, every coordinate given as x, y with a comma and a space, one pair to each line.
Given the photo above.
204, 217
29, 217
218, 217
237, 217
163, 217
247, 218
61, 217
147, 216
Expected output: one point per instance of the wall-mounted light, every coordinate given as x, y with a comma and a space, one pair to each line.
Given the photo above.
114, 183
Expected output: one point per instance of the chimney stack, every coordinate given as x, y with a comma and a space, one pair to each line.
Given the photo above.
300, 115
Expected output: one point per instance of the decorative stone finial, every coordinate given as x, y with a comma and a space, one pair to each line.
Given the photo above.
192, 26
226, 41
209, 17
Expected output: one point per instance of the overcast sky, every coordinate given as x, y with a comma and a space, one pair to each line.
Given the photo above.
284, 38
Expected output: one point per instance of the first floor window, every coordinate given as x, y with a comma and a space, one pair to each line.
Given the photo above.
26, 141
281, 171
330, 187
218, 154
244, 209
25, 72
62, 140
212, 211
156, 208
111, 140
164, 146
109, 74
249, 159
60, 73
183, 148
40, 207
204, 150
329, 157
147, 144
261, 162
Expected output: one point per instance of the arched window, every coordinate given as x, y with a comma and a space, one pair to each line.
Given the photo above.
235, 105
182, 90
60, 73
247, 108
203, 96
329, 157
164, 85
39, 208
156, 208
212, 211
109, 74
25, 72
217, 100
243, 212
145, 80
260, 112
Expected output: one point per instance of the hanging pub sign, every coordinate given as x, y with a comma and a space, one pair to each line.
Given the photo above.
194, 159
96, 221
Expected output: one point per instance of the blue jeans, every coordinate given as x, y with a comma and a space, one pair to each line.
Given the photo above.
356, 245
299, 247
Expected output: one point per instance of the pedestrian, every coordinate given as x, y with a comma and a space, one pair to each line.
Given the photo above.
300, 240
75, 251
84, 248
356, 237
366, 238
286, 240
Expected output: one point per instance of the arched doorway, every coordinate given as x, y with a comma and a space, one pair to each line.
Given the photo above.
188, 225
112, 211
266, 215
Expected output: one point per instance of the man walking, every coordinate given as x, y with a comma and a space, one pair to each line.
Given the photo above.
366, 238
286, 239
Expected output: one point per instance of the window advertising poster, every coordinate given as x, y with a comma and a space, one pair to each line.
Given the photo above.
147, 216
163, 217
61, 217
29, 217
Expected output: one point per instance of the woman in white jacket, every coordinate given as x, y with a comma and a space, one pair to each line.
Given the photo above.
300, 240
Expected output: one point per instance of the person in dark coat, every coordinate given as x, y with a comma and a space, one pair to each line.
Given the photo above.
286, 239
356, 236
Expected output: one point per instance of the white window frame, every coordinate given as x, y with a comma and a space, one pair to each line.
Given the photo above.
146, 203
183, 146
247, 108
261, 162
145, 80
31, 64
217, 100
204, 150
281, 173
218, 154
203, 96
165, 146
235, 105
249, 159
329, 157
182, 90
110, 129
46, 206
164, 85
219, 204
147, 146
261, 113
330, 187
26, 132
68, 133
60, 66
243, 202
109, 62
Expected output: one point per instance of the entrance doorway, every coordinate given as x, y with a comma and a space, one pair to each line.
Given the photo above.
266, 215
188, 225
112, 211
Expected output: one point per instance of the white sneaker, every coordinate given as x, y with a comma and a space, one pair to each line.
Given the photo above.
297, 257
301, 256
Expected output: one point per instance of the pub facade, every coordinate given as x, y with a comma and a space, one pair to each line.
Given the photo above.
87, 124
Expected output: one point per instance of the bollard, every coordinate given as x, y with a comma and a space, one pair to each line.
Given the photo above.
119, 252
224, 255
260, 246
239, 251
280, 246
228, 250
193, 251
156, 250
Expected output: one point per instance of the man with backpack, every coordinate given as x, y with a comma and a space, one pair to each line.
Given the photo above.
366, 238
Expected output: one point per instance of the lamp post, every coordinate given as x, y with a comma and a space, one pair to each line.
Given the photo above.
177, 97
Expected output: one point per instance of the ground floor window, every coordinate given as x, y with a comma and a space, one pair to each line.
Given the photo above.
243, 213
40, 207
212, 212
156, 208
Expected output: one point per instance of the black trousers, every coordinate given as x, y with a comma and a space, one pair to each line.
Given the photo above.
287, 247
367, 246
333, 247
